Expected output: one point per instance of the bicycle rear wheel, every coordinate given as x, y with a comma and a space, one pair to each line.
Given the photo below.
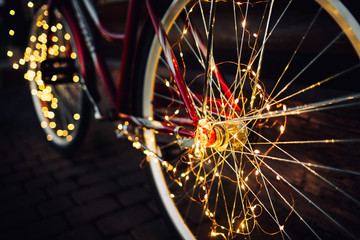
55, 80
284, 162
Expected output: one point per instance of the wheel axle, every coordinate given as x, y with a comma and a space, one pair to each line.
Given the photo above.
219, 136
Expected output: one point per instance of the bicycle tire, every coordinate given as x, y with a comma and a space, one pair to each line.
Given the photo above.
55, 80
195, 208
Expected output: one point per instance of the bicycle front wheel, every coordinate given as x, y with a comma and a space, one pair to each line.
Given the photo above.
55, 80
276, 147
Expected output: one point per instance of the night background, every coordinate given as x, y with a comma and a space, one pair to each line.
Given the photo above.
101, 191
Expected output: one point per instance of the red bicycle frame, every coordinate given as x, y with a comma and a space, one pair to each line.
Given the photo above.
129, 37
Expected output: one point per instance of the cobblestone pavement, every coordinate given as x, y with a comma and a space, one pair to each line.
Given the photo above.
99, 192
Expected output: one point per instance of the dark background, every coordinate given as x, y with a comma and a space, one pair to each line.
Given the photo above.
102, 191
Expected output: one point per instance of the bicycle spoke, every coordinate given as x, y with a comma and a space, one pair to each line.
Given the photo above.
309, 64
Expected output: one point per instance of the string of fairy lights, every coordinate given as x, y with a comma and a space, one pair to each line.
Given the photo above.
199, 172
38, 50
204, 171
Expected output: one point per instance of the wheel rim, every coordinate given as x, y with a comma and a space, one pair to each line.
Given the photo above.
58, 106
261, 169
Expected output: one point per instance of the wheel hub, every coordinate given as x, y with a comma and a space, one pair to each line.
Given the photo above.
232, 135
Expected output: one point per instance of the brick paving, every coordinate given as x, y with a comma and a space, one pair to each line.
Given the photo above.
99, 192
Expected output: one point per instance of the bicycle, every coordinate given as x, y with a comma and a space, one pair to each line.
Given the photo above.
233, 113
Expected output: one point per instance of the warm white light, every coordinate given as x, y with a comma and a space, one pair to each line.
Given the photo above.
282, 129
10, 53
30, 4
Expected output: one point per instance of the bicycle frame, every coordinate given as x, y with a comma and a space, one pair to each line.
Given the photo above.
129, 38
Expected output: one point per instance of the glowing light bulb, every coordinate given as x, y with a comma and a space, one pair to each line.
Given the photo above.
59, 132
43, 124
76, 78
15, 66
136, 145
282, 129
33, 38
54, 105
33, 65
11, 32
10, 53
76, 116
30, 4
243, 24
12, 12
